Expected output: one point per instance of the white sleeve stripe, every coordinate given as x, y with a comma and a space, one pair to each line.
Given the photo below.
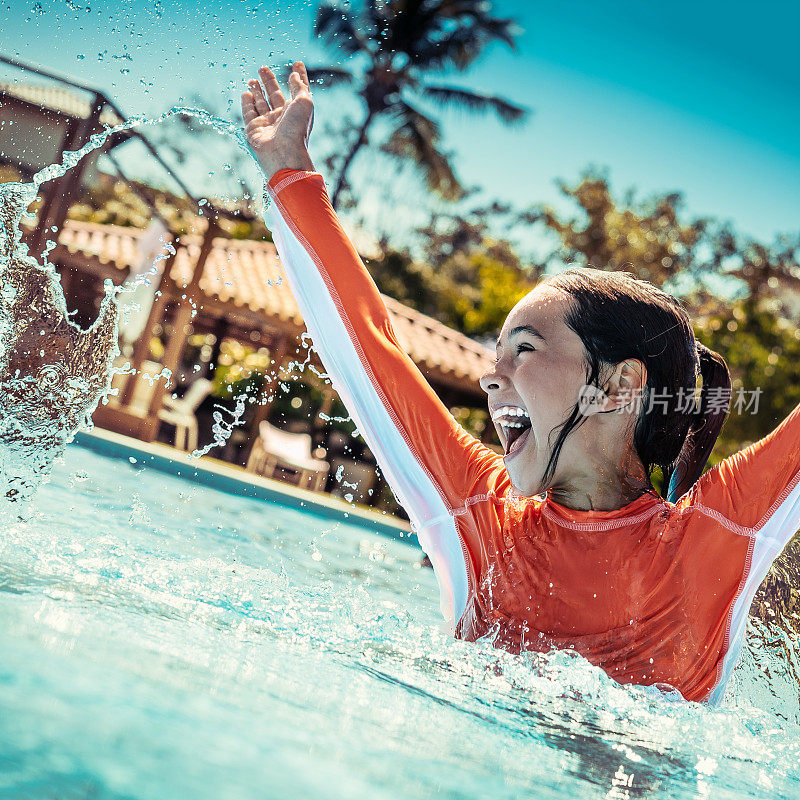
766, 545
333, 338
364, 362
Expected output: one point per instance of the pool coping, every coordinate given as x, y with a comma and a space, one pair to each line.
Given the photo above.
236, 481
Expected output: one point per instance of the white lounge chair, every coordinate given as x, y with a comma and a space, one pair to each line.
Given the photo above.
277, 449
180, 412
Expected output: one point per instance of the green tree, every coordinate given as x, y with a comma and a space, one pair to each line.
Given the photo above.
403, 41
464, 277
655, 239
763, 355
646, 237
399, 275
479, 304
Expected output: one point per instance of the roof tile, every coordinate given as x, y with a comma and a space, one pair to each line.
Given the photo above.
248, 274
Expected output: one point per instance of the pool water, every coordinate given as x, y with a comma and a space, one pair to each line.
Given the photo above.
163, 640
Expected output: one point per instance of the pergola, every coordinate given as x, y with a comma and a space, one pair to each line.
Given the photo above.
235, 289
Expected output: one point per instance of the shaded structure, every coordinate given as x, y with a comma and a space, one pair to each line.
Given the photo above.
39, 122
235, 289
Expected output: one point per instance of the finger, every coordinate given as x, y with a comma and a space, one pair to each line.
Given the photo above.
300, 68
249, 112
262, 107
296, 84
274, 93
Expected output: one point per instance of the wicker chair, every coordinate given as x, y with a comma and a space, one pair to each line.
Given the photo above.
180, 413
275, 449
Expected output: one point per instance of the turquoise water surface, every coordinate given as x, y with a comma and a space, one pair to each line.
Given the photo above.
163, 640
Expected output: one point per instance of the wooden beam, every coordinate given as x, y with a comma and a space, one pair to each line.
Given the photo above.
282, 355
220, 331
63, 190
155, 317
328, 396
180, 327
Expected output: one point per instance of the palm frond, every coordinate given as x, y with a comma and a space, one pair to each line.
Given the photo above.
375, 12
480, 103
406, 114
415, 139
503, 29
459, 48
321, 76
337, 27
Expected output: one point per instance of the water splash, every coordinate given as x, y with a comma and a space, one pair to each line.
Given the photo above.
222, 428
178, 615
53, 374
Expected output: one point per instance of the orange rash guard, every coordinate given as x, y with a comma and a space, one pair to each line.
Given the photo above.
653, 593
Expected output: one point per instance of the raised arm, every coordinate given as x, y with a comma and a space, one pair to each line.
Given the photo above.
754, 493
757, 490
435, 468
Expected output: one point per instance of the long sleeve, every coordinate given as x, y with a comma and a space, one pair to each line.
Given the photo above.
757, 488
435, 468
754, 493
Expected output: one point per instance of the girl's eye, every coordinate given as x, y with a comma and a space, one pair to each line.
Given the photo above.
520, 348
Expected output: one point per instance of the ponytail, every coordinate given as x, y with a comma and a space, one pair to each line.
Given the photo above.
706, 422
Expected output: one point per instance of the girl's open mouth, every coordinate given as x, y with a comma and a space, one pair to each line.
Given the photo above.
517, 443
515, 425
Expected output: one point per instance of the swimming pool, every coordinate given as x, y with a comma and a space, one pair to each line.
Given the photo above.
162, 639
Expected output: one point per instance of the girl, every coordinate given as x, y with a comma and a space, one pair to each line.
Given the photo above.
562, 542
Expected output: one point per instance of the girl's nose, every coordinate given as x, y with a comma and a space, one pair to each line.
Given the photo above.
492, 381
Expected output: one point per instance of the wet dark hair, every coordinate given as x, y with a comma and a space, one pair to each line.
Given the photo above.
618, 316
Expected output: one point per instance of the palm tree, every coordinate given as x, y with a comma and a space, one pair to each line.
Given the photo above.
404, 40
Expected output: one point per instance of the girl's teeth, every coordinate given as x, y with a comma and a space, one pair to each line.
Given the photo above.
509, 411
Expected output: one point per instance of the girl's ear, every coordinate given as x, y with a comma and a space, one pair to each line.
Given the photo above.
625, 388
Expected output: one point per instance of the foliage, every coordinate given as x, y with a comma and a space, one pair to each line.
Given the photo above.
240, 369
397, 274
653, 239
763, 355
646, 234
113, 201
471, 293
480, 308
465, 278
473, 420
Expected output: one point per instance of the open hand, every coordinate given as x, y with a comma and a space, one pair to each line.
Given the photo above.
279, 131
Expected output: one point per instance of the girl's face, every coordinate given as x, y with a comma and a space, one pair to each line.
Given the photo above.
533, 387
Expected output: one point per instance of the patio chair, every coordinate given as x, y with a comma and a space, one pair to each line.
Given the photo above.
277, 449
180, 412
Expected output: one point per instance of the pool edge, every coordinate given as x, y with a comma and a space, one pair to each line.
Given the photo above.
226, 478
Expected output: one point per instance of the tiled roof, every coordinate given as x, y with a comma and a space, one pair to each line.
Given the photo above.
247, 274
54, 98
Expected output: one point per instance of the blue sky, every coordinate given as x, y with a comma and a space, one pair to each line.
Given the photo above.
703, 98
